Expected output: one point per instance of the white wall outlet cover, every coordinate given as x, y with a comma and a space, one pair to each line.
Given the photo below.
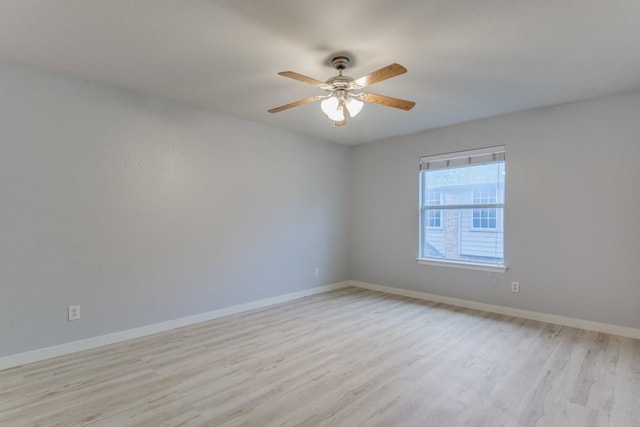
74, 312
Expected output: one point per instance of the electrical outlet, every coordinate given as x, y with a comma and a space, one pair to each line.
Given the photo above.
316, 271
515, 287
74, 312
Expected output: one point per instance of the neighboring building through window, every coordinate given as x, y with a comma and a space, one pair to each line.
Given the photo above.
462, 208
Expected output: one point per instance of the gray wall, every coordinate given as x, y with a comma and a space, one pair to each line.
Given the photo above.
572, 230
144, 210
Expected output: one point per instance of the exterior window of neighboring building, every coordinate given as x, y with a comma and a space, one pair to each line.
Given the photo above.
434, 216
462, 209
485, 217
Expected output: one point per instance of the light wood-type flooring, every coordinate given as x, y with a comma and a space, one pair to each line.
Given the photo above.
346, 358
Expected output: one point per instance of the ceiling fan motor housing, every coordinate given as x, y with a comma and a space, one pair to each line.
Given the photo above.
340, 82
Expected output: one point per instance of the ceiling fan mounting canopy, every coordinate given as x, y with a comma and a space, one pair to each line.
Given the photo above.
342, 98
340, 62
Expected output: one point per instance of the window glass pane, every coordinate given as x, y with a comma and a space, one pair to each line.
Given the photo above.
482, 184
433, 219
433, 198
458, 240
461, 232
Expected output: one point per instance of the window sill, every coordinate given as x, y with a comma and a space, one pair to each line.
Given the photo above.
463, 265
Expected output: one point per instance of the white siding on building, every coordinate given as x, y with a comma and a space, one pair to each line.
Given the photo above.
482, 243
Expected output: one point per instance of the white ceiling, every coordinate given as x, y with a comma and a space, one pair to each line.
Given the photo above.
467, 59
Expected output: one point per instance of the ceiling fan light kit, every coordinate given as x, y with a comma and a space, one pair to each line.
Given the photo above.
343, 98
334, 105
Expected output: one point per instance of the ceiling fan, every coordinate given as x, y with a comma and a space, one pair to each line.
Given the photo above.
343, 97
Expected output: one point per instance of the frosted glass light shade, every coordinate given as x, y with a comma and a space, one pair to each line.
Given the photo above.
329, 105
332, 108
354, 106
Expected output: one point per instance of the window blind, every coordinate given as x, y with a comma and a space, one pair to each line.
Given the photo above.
480, 156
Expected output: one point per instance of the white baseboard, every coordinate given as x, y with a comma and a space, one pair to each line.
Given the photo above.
102, 340
99, 341
525, 314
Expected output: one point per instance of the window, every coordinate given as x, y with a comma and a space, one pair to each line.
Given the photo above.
462, 209
434, 216
485, 217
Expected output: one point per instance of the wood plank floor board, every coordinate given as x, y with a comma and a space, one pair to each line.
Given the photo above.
351, 357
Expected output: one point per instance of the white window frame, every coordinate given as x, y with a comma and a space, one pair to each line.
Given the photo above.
458, 159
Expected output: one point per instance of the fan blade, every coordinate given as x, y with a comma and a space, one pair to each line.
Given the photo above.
380, 75
296, 104
303, 79
388, 101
